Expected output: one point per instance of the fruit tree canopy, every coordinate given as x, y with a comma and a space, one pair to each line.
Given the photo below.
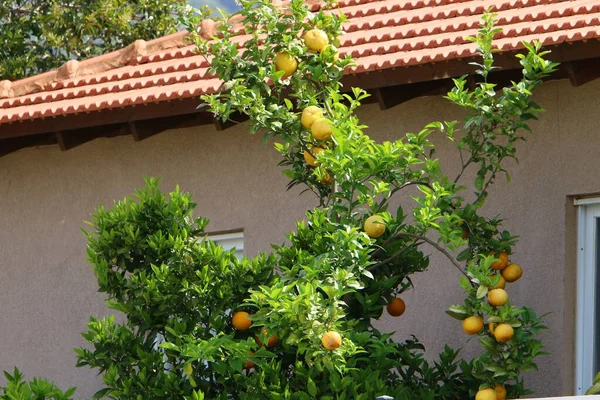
394, 42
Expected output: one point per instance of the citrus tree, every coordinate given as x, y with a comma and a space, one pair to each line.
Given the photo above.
38, 35
298, 323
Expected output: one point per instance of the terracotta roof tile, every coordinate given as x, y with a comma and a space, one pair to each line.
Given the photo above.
380, 34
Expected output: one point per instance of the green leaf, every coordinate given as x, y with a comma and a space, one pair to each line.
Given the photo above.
311, 387
482, 291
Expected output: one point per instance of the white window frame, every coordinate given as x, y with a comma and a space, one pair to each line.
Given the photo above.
228, 240
588, 212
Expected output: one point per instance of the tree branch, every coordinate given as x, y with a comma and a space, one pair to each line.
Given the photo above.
392, 257
425, 239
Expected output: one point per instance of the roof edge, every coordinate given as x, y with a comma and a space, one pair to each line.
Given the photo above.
129, 55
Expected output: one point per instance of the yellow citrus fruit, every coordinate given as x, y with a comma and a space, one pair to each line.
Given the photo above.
309, 115
331, 340
336, 53
240, 321
374, 226
486, 394
321, 129
497, 297
504, 332
272, 339
286, 63
396, 307
316, 40
326, 178
501, 283
310, 160
502, 262
472, 325
512, 273
500, 392
491, 327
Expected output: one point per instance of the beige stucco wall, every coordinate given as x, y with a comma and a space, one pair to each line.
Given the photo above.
47, 291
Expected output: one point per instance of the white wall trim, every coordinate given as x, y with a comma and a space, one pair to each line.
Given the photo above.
586, 201
587, 233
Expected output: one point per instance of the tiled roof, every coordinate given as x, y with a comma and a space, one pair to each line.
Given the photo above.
380, 34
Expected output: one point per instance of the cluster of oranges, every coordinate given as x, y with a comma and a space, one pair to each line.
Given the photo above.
241, 321
504, 272
312, 118
374, 226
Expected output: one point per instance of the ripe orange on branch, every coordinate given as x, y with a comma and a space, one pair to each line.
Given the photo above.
331, 340
321, 129
500, 392
512, 273
497, 297
504, 332
502, 262
310, 158
501, 283
249, 363
396, 307
271, 342
309, 115
486, 394
240, 321
285, 62
316, 40
374, 226
472, 325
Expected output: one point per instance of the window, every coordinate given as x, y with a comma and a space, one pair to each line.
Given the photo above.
587, 358
228, 240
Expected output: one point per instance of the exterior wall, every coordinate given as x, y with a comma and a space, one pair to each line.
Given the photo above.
47, 291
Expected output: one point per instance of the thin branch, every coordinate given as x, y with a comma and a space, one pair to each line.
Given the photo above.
393, 256
398, 188
438, 247
431, 242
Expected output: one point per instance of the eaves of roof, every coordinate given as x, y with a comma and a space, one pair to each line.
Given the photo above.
393, 41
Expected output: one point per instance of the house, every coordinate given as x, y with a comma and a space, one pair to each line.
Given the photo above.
83, 135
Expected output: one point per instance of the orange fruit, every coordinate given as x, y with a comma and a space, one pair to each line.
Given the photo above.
497, 297
240, 321
250, 364
316, 40
472, 325
272, 339
321, 129
310, 158
326, 178
309, 115
500, 285
500, 392
486, 394
331, 340
286, 63
465, 233
504, 332
374, 226
512, 273
502, 262
336, 54
396, 307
